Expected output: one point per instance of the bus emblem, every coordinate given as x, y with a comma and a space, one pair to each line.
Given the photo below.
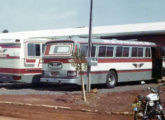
138, 65
57, 65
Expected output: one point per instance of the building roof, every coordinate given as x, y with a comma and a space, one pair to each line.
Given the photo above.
156, 28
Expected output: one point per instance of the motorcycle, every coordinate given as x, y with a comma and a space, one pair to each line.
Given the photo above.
149, 107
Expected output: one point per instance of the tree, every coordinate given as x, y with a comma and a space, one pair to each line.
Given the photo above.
5, 31
80, 64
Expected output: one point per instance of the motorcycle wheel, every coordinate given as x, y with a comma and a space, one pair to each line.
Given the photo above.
160, 117
136, 116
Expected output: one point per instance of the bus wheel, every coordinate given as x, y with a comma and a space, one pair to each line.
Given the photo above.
111, 79
36, 80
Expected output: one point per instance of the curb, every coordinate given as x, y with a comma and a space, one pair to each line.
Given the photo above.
65, 108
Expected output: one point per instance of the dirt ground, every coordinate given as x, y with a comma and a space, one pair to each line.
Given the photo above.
69, 106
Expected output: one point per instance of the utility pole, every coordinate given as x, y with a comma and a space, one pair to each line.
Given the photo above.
89, 47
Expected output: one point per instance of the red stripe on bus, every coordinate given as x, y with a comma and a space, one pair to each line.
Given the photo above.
20, 71
9, 57
7, 46
100, 60
56, 60
124, 60
47, 49
119, 71
143, 70
30, 60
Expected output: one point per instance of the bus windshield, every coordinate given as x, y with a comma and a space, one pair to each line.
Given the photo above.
59, 49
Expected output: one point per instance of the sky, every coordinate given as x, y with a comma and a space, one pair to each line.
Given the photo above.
27, 15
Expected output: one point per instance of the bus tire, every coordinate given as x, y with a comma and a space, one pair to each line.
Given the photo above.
36, 80
111, 79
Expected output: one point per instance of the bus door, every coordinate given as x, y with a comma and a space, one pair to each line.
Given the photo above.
163, 60
33, 56
156, 63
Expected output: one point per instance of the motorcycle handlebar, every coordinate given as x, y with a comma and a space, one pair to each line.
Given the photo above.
154, 90
162, 84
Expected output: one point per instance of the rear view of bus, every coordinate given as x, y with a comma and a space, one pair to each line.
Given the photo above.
10, 52
57, 59
21, 59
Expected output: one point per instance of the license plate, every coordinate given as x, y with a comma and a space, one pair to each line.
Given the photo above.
55, 73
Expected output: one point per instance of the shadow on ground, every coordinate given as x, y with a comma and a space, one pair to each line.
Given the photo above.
63, 87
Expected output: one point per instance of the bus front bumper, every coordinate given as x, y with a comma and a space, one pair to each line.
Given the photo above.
60, 80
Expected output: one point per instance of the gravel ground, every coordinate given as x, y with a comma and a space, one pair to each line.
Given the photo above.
25, 89
18, 99
47, 89
9, 118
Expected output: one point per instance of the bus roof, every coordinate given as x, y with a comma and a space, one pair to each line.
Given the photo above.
104, 41
19, 40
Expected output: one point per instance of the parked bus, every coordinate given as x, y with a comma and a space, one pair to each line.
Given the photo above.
117, 61
21, 59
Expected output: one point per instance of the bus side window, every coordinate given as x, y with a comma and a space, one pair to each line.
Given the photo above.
84, 50
119, 52
34, 49
125, 51
134, 52
148, 52
109, 52
140, 52
93, 51
102, 51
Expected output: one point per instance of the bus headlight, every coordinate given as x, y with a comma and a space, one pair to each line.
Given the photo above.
16, 77
151, 103
71, 73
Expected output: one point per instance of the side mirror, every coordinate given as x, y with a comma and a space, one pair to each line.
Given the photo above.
142, 83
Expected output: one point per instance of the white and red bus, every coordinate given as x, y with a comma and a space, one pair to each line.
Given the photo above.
117, 61
21, 59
